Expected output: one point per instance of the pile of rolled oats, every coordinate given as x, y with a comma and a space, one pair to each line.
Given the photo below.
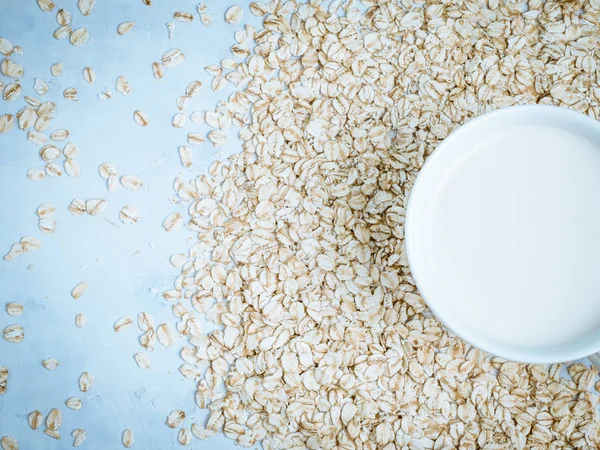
325, 341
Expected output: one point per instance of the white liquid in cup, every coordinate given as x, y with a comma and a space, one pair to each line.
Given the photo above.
510, 236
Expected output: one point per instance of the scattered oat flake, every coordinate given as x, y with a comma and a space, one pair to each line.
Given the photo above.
193, 88
56, 69
63, 32
54, 420
170, 29
178, 120
132, 182
182, 16
129, 214
35, 419
86, 6
6, 122
50, 363
70, 94
145, 321
173, 221
12, 92
185, 153
45, 210
122, 323
85, 381
77, 207
14, 309
47, 226
80, 320
157, 70
49, 153
107, 169
218, 138
72, 168
175, 418
14, 333
184, 436
79, 290
6, 48
195, 138
142, 360
127, 438
27, 244
11, 69
79, 37
105, 94
206, 19
122, 86
166, 335
95, 206
59, 135
141, 118
74, 403
125, 28
172, 58
79, 436
70, 151
63, 17
9, 443
36, 137
3, 379
36, 174
89, 75
112, 183
234, 14
40, 86
46, 5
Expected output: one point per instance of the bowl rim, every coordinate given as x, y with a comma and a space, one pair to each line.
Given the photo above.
545, 355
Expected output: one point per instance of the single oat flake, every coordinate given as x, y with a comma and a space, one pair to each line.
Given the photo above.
14, 309
63, 17
50, 363
233, 14
46, 5
173, 222
122, 86
127, 438
89, 75
77, 207
122, 323
45, 211
86, 6
141, 118
74, 403
172, 58
175, 418
35, 419
6, 122
85, 381
3, 379
95, 207
56, 69
79, 290
183, 16
166, 335
142, 360
14, 334
132, 182
80, 320
157, 70
184, 436
129, 214
79, 37
36, 174
59, 135
9, 443
79, 436
125, 28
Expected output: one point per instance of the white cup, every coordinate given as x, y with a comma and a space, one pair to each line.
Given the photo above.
537, 169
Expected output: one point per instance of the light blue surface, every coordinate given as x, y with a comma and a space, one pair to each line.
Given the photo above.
101, 250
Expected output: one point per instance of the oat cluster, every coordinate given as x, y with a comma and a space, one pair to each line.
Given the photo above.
323, 340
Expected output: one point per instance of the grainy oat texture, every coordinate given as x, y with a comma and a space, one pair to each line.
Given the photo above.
325, 341
294, 313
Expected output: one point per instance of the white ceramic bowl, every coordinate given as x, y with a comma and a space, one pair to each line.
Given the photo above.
497, 229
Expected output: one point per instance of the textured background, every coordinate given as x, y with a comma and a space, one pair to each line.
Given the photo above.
120, 262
